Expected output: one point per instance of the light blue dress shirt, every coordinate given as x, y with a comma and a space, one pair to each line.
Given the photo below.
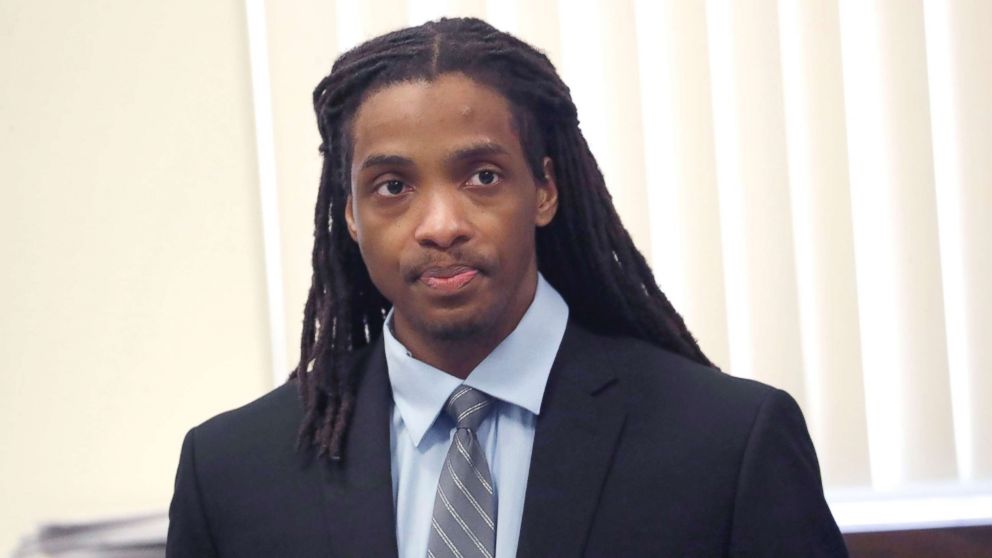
515, 373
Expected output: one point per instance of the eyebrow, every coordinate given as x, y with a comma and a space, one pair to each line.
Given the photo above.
475, 151
386, 160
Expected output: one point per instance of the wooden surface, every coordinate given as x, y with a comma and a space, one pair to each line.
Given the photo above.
958, 542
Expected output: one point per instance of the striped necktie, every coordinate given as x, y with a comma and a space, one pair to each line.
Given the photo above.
464, 520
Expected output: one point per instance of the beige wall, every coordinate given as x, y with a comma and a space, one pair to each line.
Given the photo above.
132, 296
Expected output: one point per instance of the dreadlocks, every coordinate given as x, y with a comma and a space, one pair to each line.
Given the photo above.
585, 252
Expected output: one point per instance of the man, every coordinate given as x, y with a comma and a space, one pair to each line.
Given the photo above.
488, 367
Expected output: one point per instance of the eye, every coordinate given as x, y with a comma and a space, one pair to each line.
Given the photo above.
391, 188
485, 177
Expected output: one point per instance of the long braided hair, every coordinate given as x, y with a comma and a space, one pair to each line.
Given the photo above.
585, 252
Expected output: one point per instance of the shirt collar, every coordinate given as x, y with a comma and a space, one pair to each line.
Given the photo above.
516, 371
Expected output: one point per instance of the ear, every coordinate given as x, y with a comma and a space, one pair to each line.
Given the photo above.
349, 217
547, 195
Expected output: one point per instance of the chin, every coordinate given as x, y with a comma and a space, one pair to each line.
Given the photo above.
456, 326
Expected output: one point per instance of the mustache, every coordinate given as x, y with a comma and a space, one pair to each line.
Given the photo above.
433, 261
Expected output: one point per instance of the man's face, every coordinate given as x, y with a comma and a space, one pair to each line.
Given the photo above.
444, 207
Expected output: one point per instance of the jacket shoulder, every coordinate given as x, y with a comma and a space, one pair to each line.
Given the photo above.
272, 417
243, 446
653, 375
668, 397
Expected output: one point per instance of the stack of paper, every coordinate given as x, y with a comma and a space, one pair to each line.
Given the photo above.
140, 536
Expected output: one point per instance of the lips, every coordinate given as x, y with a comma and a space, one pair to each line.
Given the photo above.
448, 279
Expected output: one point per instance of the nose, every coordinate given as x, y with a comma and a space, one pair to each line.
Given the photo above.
443, 221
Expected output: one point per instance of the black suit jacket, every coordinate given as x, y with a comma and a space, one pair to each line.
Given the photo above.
637, 452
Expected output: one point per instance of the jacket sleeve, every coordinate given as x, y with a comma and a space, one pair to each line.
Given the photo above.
189, 533
779, 507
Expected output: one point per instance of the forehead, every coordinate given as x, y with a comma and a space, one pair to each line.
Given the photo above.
419, 115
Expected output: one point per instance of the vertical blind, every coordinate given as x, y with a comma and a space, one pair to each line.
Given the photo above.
810, 179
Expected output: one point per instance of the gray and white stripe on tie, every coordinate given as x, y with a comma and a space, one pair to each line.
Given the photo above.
464, 521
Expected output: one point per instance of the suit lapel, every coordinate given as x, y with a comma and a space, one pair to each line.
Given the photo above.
358, 492
581, 418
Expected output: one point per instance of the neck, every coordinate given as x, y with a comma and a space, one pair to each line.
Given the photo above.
459, 355
457, 358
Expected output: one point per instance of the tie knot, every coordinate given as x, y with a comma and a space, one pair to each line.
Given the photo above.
468, 406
